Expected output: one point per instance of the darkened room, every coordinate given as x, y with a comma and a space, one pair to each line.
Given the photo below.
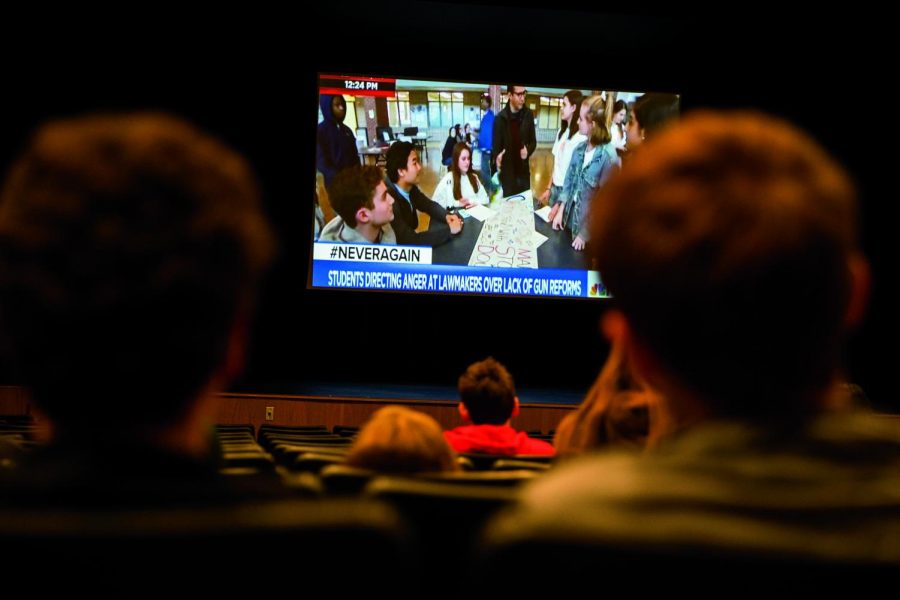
251, 79
319, 361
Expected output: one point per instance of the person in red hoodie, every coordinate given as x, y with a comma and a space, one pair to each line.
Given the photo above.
488, 402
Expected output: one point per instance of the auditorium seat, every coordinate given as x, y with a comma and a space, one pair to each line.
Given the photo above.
16, 419
282, 451
325, 440
547, 562
11, 452
314, 462
465, 463
446, 518
266, 432
240, 454
306, 485
340, 479
480, 462
288, 455
515, 464
505, 478
485, 462
345, 430
421, 497
270, 440
540, 435
229, 551
244, 444
18, 428
238, 428
272, 427
261, 461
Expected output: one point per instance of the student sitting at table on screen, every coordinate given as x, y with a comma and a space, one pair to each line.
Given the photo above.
403, 170
460, 187
364, 207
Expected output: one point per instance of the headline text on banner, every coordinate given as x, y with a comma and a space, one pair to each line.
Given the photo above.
458, 279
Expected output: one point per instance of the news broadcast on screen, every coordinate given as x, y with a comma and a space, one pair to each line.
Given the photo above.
461, 188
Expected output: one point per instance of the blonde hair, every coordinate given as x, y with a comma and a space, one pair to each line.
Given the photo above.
401, 440
599, 134
619, 410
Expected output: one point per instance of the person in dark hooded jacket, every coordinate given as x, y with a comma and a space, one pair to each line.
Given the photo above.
336, 144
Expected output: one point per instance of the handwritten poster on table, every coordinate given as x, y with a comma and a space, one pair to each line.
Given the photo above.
507, 238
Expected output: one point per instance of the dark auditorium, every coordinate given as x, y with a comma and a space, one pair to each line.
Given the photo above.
585, 298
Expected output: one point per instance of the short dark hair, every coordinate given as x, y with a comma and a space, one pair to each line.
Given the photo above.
353, 188
726, 242
397, 158
654, 111
488, 392
130, 245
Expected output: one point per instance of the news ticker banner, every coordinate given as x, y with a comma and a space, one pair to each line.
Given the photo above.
357, 86
408, 268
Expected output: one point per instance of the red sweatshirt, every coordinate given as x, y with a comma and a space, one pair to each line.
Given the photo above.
495, 439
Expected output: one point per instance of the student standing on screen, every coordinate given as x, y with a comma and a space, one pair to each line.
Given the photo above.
590, 167
449, 143
487, 403
486, 144
460, 186
403, 169
335, 143
617, 125
514, 141
567, 140
365, 209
